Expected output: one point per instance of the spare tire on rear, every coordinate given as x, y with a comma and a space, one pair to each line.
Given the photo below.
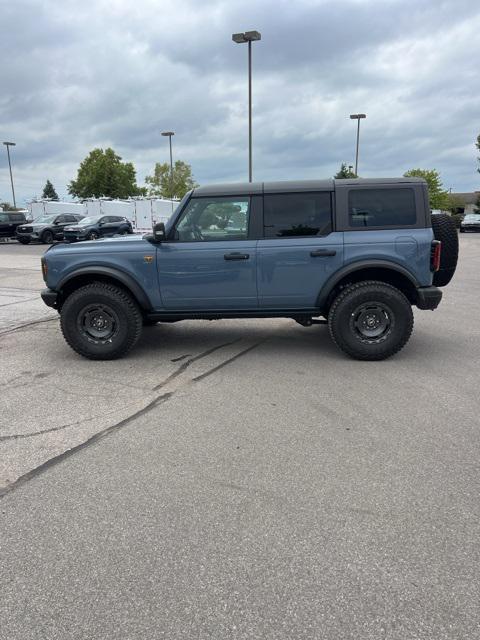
444, 229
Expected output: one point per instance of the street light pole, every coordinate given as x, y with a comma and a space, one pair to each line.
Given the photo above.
250, 168
169, 134
11, 144
357, 117
240, 38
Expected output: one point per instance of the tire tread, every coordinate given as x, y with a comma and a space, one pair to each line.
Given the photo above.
119, 295
335, 334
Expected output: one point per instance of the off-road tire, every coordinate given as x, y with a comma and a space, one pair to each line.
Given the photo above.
23, 240
393, 309
47, 237
444, 229
117, 304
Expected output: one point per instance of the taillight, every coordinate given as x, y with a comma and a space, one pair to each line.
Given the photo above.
435, 255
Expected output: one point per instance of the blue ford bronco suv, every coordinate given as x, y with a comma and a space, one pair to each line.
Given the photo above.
353, 254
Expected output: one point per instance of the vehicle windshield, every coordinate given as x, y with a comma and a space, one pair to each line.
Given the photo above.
45, 219
89, 220
473, 216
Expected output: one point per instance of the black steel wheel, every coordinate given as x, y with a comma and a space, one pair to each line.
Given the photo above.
101, 321
370, 320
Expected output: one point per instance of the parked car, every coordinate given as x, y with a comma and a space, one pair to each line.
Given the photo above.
95, 227
471, 222
353, 254
9, 221
46, 229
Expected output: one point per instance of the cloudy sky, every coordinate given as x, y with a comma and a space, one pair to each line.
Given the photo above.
78, 75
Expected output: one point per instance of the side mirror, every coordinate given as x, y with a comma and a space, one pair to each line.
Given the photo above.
159, 232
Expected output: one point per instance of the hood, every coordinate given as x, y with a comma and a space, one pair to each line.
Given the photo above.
103, 245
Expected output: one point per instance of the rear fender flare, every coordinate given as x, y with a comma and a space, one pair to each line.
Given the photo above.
332, 282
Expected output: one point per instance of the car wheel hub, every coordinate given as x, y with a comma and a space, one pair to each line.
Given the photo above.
98, 323
372, 322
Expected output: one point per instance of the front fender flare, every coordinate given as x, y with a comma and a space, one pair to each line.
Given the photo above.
117, 274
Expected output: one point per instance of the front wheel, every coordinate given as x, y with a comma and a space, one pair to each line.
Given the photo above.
101, 321
93, 235
370, 320
23, 240
47, 237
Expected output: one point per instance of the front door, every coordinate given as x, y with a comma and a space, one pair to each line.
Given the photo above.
210, 263
299, 252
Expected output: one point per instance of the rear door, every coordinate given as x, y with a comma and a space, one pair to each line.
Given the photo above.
300, 249
209, 261
386, 223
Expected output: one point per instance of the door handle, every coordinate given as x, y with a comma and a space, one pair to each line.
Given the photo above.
236, 256
323, 252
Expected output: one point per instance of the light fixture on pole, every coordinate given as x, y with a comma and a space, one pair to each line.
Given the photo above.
240, 38
357, 117
169, 135
8, 145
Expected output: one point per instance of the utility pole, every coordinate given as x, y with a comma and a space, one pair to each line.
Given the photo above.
8, 145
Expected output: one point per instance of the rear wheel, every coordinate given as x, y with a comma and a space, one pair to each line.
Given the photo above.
101, 321
370, 320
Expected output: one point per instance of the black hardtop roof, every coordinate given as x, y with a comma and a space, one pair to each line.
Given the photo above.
248, 188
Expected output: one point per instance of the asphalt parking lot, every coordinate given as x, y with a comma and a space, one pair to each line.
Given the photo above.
239, 479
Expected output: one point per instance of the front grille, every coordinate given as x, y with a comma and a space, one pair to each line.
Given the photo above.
25, 229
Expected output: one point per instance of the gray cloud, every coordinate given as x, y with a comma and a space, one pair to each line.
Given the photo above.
79, 75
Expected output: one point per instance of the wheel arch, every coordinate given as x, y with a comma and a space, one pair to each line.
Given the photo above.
380, 270
86, 275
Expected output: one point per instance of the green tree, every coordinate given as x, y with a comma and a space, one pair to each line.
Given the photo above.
103, 174
345, 172
49, 191
161, 185
439, 198
7, 206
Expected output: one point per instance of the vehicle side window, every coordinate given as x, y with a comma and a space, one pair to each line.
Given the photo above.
59, 220
103, 220
381, 208
4, 217
297, 214
70, 219
17, 217
206, 219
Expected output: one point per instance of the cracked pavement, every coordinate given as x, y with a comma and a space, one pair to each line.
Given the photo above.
238, 479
